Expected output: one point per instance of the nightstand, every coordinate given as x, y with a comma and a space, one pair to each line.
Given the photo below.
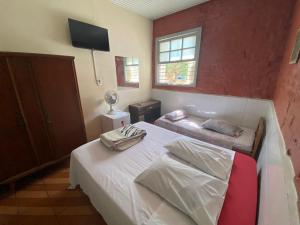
114, 121
148, 111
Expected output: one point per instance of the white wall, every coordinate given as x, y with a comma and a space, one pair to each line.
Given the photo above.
278, 199
40, 26
278, 203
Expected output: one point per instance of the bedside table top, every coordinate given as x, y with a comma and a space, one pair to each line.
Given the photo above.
146, 103
117, 115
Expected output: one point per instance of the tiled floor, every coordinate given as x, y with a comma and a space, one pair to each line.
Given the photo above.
43, 199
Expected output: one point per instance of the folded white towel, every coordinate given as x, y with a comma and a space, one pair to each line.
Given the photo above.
122, 138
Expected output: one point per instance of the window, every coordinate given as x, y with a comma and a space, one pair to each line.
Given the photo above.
131, 70
177, 58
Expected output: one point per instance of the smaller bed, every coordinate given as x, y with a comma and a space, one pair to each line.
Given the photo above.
249, 142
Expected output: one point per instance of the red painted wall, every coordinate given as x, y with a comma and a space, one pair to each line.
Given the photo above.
287, 96
242, 44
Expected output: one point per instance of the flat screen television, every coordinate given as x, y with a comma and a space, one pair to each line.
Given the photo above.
84, 35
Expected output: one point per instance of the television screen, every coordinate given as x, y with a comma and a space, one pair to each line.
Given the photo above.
85, 35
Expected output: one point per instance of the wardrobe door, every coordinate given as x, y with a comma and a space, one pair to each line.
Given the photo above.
56, 82
21, 70
16, 153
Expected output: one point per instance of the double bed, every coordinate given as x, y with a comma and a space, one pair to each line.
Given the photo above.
107, 177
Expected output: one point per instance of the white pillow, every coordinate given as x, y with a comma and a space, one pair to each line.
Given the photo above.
176, 115
213, 161
223, 127
195, 193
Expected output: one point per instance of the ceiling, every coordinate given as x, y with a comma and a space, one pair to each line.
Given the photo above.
154, 9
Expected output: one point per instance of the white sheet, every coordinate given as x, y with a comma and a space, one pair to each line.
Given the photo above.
192, 127
107, 177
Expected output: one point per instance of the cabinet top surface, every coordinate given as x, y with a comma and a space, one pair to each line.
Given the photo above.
116, 115
147, 103
25, 54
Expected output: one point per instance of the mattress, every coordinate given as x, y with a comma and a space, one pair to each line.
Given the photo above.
191, 126
107, 177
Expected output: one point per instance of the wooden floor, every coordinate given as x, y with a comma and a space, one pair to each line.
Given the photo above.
43, 199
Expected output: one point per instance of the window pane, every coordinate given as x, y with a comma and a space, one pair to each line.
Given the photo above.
188, 53
189, 42
164, 46
131, 74
175, 55
128, 60
176, 44
135, 61
164, 57
182, 73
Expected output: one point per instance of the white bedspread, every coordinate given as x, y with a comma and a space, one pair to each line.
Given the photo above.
107, 177
192, 127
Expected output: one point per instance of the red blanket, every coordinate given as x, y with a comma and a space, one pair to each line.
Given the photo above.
240, 203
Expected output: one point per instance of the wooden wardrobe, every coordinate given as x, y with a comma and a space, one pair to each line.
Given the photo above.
41, 118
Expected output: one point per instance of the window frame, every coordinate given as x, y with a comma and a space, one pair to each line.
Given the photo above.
186, 33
